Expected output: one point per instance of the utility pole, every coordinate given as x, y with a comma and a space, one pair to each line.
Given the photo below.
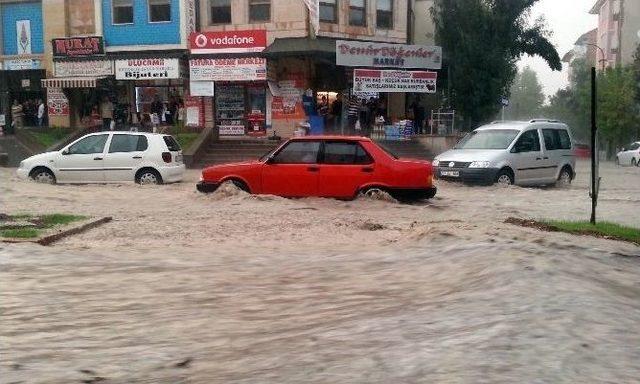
595, 179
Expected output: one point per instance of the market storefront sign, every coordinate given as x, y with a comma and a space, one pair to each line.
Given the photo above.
78, 46
232, 69
231, 130
22, 64
375, 80
147, 69
228, 41
83, 68
366, 54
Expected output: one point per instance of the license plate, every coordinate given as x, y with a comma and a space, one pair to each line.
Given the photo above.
450, 173
178, 158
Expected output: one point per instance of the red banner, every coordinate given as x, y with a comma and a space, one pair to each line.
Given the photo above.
228, 41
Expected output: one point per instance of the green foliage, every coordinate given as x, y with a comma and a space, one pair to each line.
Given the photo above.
483, 40
20, 233
50, 136
49, 221
607, 229
527, 98
186, 139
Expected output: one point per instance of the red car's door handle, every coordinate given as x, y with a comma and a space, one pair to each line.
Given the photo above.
367, 169
313, 169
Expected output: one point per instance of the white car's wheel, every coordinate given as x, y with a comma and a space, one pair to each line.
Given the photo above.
43, 175
148, 176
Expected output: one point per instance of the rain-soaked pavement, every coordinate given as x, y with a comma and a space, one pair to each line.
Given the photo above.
188, 288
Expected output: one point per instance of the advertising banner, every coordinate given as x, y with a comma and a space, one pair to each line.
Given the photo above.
201, 88
375, 80
21, 64
147, 69
231, 130
367, 54
314, 13
228, 41
232, 69
83, 68
57, 102
194, 112
78, 46
288, 103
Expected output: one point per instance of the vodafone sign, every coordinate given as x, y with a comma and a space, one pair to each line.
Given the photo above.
228, 41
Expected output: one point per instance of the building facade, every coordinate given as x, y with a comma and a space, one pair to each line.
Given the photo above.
618, 30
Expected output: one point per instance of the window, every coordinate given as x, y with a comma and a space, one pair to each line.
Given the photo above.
358, 12
528, 142
172, 144
298, 152
345, 153
159, 11
556, 139
488, 139
122, 11
220, 11
128, 143
88, 145
329, 11
259, 10
384, 14
633, 147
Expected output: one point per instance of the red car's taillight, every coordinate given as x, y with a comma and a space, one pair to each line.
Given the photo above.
166, 156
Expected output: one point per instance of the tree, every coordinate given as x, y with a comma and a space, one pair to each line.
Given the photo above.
526, 96
483, 40
617, 106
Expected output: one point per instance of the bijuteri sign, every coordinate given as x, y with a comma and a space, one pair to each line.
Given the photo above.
366, 54
228, 41
78, 46
375, 80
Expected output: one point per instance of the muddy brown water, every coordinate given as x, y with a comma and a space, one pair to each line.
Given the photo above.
190, 288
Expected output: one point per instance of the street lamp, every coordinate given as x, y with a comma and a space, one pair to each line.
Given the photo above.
603, 61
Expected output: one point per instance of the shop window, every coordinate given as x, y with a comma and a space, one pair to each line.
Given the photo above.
159, 11
298, 152
329, 11
122, 11
128, 143
220, 11
384, 14
358, 12
259, 10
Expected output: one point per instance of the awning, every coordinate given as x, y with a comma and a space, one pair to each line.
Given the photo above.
71, 82
296, 46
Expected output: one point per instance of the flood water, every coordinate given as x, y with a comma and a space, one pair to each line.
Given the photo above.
187, 288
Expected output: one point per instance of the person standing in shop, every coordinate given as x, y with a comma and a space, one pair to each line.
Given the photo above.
352, 113
106, 113
40, 113
17, 115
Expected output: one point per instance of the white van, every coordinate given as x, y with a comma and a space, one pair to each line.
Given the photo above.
535, 152
146, 158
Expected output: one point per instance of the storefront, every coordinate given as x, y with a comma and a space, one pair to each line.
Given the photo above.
151, 88
82, 77
20, 80
226, 69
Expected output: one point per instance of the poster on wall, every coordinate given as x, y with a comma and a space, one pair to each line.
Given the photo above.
81, 17
288, 103
201, 88
194, 113
23, 35
57, 102
147, 69
374, 80
231, 69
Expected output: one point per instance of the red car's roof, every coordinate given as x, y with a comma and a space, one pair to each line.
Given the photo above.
332, 137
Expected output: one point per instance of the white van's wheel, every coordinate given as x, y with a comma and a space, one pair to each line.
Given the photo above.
504, 178
564, 179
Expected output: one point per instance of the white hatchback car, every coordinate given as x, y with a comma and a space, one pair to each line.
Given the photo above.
630, 155
104, 157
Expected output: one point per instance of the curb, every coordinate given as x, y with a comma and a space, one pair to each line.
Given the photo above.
49, 239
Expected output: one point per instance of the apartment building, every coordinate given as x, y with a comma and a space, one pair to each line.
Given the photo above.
618, 30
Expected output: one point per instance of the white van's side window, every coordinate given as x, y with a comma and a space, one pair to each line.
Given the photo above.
556, 139
529, 141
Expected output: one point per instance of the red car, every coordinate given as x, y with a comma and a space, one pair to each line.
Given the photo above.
326, 166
